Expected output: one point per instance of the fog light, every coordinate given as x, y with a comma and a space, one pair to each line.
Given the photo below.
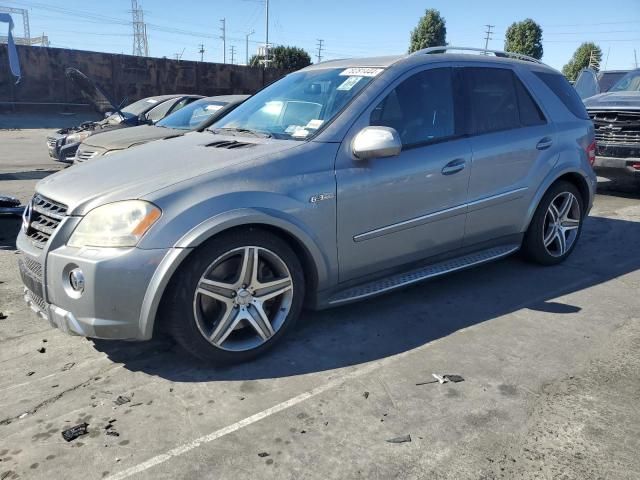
76, 280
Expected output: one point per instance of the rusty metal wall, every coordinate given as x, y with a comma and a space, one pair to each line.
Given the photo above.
43, 79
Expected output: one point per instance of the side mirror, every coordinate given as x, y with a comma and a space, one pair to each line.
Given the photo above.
376, 142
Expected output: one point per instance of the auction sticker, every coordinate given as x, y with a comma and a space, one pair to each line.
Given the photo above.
361, 72
349, 83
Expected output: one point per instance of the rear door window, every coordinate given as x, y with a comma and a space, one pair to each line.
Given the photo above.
565, 93
492, 100
530, 113
420, 109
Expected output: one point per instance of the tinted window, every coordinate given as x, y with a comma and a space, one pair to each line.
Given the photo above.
159, 112
565, 92
530, 113
608, 80
420, 108
493, 102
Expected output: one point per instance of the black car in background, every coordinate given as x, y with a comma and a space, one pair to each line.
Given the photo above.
616, 118
63, 144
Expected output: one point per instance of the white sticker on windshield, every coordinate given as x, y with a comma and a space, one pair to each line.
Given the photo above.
300, 132
314, 124
152, 100
349, 83
212, 108
361, 72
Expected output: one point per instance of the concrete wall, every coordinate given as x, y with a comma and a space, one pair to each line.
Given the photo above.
43, 79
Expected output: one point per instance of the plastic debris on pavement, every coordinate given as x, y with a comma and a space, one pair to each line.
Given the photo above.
75, 432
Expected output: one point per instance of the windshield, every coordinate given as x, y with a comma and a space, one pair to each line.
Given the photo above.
608, 80
133, 110
629, 83
296, 106
192, 115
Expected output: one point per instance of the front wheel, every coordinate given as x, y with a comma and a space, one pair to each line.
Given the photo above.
556, 225
235, 296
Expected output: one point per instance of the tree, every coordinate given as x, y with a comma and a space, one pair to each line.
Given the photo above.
430, 32
587, 54
524, 37
289, 58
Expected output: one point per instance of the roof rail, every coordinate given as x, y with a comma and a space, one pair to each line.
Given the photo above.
497, 53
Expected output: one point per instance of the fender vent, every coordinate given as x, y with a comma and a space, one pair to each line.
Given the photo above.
229, 144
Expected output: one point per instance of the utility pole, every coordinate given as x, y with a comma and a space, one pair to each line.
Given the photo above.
488, 36
246, 38
233, 53
266, 41
223, 29
320, 42
201, 51
635, 58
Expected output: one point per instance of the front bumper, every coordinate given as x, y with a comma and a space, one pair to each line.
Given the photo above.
110, 305
617, 166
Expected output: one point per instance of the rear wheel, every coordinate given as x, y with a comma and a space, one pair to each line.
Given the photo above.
556, 225
235, 296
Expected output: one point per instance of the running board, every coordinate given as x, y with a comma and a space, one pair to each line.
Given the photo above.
430, 271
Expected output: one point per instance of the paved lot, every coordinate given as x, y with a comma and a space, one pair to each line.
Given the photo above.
550, 357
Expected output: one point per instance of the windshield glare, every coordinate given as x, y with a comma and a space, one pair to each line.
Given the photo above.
192, 115
296, 106
629, 83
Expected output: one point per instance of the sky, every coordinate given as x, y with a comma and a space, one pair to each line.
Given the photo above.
349, 28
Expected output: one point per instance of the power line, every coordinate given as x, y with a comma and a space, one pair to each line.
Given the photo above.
320, 42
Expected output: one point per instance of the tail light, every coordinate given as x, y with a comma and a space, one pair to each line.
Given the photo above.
591, 153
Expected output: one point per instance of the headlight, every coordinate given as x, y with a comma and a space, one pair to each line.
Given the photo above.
77, 137
119, 224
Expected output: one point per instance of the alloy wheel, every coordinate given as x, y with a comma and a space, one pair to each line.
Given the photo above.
243, 298
561, 224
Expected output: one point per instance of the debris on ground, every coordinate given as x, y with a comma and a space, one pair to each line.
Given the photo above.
30, 373
2, 316
365, 395
403, 439
75, 432
23, 415
68, 366
263, 454
443, 379
113, 433
42, 350
121, 400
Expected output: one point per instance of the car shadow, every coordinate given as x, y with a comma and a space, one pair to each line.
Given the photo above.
406, 319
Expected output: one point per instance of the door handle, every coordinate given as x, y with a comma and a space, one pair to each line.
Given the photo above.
454, 166
544, 143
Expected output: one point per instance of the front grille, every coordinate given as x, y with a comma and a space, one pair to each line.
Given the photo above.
45, 216
36, 300
51, 142
33, 266
616, 128
84, 155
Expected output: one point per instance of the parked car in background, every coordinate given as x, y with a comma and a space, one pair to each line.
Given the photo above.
196, 116
590, 82
340, 181
63, 144
616, 117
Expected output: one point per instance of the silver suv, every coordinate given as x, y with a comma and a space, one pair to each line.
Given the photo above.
344, 180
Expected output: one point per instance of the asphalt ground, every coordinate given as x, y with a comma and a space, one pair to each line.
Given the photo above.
550, 359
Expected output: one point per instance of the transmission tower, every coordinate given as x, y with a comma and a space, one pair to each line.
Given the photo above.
140, 45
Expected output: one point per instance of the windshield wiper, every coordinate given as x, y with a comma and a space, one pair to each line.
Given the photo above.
255, 133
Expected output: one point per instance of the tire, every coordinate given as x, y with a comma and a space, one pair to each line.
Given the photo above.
214, 290
545, 227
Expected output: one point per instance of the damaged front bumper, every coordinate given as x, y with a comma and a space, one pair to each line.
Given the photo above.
107, 305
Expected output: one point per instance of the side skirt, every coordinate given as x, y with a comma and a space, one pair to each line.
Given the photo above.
427, 272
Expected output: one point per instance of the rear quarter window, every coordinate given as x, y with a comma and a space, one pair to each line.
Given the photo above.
565, 93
